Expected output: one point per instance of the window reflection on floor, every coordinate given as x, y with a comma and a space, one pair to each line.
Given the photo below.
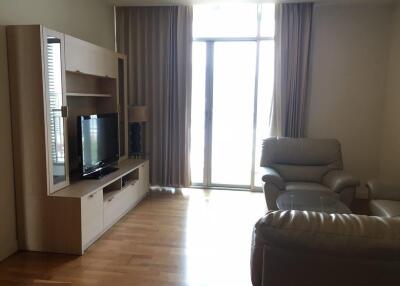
219, 226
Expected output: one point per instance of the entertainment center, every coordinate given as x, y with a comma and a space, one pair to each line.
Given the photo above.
69, 120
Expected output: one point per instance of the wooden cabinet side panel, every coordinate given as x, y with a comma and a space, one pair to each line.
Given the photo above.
63, 233
144, 178
28, 131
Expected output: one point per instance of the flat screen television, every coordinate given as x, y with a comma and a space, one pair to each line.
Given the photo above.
98, 143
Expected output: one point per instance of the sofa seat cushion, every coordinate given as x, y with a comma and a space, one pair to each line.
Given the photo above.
385, 208
305, 186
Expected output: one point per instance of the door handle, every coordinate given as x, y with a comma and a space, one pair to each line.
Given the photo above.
64, 111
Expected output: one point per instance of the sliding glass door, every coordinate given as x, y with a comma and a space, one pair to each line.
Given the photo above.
232, 113
230, 102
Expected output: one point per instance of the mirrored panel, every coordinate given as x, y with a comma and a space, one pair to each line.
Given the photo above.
55, 102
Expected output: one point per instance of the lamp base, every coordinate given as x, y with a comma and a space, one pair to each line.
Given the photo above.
135, 148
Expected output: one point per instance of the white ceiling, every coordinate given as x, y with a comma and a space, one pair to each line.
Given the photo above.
187, 2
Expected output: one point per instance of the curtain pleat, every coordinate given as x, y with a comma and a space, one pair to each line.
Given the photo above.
292, 44
158, 43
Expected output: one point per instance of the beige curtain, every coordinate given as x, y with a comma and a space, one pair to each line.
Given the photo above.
158, 43
292, 44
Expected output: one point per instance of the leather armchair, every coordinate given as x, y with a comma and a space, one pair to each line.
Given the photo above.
311, 248
304, 164
384, 199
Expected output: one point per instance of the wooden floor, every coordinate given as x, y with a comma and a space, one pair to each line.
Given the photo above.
194, 237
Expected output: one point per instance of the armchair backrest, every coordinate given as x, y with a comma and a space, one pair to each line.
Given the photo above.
302, 160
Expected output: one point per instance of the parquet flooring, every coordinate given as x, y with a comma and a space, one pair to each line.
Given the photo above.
192, 237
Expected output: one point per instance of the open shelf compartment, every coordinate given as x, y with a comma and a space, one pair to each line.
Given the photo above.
112, 189
130, 178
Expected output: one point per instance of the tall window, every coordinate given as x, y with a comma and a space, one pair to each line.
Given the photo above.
233, 62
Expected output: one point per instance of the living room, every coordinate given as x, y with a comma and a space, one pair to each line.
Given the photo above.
191, 90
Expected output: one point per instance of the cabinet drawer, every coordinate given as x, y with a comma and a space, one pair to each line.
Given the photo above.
92, 216
84, 57
117, 205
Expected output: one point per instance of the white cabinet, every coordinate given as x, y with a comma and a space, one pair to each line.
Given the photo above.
91, 216
116, 206
87, 58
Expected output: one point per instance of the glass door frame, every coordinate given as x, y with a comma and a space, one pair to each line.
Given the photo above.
51, 185
210, 42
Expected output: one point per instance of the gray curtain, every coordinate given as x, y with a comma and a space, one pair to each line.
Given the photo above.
292, 44
158, 43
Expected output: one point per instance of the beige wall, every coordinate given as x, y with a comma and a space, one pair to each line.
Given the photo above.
91, 20
347, 80
390, 147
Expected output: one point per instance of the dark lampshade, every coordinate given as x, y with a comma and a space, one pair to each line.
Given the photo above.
137, 113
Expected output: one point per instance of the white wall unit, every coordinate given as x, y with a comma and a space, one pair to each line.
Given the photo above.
65, 215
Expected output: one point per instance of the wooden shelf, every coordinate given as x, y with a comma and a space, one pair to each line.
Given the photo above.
81, 94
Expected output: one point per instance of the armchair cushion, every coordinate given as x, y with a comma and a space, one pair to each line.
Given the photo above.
305, 186
272, 176
339, 180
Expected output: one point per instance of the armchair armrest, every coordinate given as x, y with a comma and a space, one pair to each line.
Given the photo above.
378, 190
272, 176
339, 180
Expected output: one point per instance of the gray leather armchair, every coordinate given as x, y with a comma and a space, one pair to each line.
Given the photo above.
304, 164
384, 199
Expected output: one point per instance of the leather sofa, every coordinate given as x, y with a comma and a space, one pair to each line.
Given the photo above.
310, 248
384, 200
304, 164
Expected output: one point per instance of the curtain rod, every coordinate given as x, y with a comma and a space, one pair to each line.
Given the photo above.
128, 3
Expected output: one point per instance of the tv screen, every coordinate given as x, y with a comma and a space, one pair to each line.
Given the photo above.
99, 141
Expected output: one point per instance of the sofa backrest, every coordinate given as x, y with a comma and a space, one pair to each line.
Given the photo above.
313, 248
304, 160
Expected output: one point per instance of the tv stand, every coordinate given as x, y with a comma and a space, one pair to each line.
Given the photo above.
73, 218
101, 173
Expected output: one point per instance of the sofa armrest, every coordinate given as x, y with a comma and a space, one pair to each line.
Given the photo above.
272, 176
378, 190
339, 180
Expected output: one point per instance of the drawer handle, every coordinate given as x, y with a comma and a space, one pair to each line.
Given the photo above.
92, 195
110, 199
